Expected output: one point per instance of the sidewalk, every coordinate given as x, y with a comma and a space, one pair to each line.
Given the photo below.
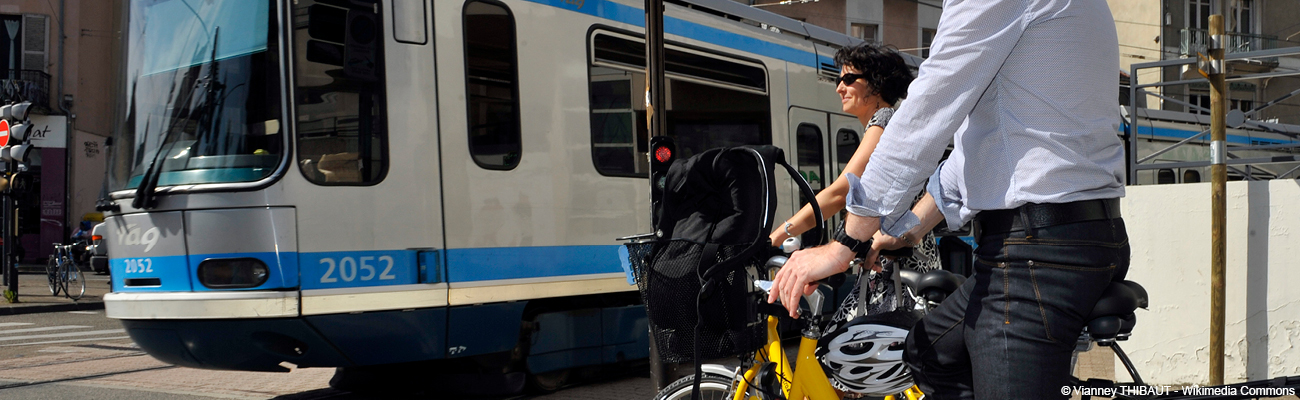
34, 293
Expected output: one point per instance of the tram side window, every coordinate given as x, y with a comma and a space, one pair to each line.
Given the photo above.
846, 143
1164, 176
618, 131
811, 155
342, 131
712, 102
491, 85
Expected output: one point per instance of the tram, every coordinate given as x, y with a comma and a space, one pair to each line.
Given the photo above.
359, 183
1174, 146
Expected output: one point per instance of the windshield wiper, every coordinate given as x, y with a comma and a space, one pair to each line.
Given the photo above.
144, 193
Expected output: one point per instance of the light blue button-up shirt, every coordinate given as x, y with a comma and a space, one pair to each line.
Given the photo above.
1027, 90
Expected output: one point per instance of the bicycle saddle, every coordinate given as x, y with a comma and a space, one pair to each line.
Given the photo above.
935, 285
1112, 317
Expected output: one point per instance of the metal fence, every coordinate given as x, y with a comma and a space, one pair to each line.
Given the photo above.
1195, 40
26, 85
1244, 160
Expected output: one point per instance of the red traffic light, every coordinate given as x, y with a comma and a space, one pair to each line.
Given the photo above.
663, 154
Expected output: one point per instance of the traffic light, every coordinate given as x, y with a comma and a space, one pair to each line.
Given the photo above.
662, 153
14, 151
14, 127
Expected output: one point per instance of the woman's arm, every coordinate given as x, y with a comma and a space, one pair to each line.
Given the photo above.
831, 199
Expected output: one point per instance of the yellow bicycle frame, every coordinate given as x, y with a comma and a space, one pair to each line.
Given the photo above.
806, 382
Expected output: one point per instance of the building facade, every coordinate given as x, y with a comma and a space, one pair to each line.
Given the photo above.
1154, 30
908, 25
61, 55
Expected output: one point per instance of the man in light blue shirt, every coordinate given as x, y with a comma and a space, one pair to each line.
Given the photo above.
1026, 90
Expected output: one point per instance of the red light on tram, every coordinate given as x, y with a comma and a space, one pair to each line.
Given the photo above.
662, 154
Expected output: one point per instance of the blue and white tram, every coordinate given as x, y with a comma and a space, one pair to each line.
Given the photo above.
1270, 146
350, 183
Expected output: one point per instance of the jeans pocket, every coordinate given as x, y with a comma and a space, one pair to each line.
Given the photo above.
1065, 294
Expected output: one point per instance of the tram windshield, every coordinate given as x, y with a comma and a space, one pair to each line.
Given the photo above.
202, 94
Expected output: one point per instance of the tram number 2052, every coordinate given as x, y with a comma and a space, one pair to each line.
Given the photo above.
139, 265
348, 269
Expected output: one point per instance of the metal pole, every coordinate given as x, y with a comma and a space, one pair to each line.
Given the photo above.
660, 373
11, 269
1218, 196
656, 85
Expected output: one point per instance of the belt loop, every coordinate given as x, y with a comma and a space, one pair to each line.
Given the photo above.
1030, 231
1106, 208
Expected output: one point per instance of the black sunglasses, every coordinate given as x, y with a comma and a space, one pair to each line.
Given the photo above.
849, 79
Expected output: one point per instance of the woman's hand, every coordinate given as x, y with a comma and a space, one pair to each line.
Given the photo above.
778, 236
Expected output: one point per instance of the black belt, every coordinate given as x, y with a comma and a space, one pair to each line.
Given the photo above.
1045, 215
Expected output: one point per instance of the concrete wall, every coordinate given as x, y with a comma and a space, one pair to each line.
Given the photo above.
927, 16
1169, 228
828, 14
864, 12
95, 62
900, 28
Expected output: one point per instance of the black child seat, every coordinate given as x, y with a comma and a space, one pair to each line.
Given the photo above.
711, 242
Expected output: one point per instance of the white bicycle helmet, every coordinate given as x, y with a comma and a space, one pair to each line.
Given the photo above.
865, 356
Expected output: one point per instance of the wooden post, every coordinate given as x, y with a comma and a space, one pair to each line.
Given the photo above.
660, 374
1218, 196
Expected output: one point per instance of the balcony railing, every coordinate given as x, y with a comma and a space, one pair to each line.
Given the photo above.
26, 85
1197, 40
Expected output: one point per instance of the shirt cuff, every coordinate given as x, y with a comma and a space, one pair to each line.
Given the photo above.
892, 225
950, 209
856, 201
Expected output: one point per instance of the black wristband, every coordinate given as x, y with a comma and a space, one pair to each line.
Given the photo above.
859, 247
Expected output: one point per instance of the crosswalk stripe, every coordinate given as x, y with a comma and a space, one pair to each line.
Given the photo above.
64, 341
8, 324
47, 328
54, 335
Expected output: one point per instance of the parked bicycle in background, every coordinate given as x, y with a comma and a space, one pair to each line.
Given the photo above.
63, 274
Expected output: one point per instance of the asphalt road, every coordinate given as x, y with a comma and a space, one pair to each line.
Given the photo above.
84, 355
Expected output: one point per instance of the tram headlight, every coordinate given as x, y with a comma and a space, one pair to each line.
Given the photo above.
232, 273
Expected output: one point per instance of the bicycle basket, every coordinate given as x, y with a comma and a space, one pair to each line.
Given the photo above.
730, 322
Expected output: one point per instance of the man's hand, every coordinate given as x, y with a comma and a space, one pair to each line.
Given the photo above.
880, 242
800, 274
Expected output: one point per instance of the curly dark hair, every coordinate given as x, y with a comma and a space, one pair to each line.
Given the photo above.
886, 71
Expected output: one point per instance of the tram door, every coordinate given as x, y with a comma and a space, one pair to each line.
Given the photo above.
824, 143
846, 134
811, 151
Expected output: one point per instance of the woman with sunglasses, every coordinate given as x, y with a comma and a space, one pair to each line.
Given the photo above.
872, 81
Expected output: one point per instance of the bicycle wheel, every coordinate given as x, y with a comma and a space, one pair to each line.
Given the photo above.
712, 387
74, 285
52, 274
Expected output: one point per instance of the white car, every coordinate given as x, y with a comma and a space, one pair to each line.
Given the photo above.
98, 249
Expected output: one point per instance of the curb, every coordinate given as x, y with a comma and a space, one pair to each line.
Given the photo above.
19, 309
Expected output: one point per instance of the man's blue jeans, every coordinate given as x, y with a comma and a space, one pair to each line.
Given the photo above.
1010, 330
